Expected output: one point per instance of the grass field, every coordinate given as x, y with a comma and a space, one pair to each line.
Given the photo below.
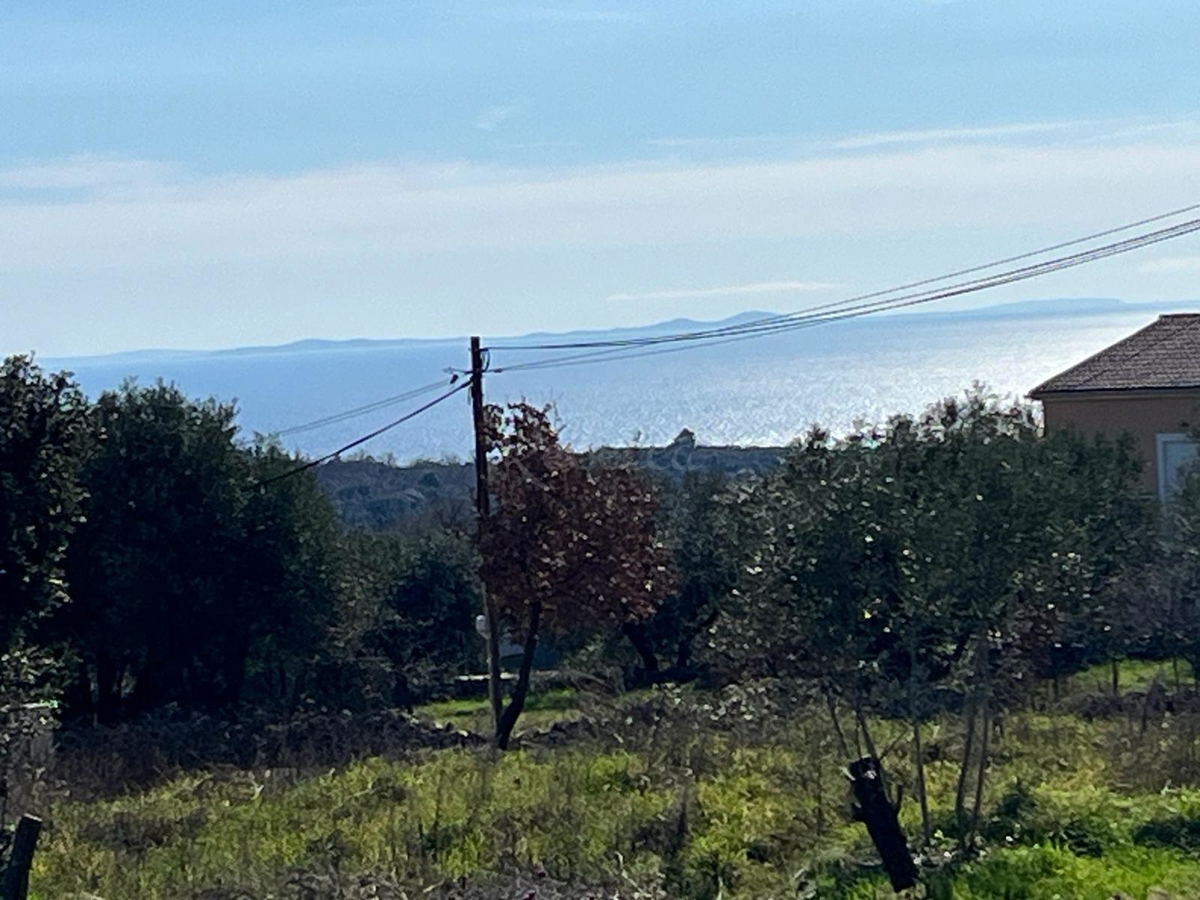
542, 709
705, 800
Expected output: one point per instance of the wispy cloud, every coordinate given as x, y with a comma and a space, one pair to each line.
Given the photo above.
229, 249
85, 172
381, 211
543, 145
707, 142
947, 135
567, 14
495, 116
730, 290
1182, 129
1172, 264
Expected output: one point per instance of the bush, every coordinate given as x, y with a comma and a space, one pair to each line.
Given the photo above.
1178, 832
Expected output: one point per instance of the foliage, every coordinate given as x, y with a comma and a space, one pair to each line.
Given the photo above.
900, 546
944, 552
289, 584
569, 547
147, 565
692, 524
43, 443
185, 570
927, 574
42, 446
426, 598
1172, 582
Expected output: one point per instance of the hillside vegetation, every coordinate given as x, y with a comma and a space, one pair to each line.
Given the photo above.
946, 656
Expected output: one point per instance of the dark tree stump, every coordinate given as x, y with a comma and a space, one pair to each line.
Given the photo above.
14, 880
875, 811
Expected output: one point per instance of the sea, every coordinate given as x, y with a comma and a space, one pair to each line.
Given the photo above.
765, 391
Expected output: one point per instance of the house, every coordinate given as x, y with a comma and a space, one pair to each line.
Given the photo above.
1148, 385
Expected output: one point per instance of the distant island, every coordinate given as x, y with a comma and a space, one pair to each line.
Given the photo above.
1062, 306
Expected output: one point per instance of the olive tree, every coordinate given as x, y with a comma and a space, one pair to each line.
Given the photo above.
44, 439
934, 554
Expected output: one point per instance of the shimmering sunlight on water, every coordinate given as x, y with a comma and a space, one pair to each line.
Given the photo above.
765, 391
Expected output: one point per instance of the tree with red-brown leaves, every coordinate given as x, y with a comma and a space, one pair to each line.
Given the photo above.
568, 547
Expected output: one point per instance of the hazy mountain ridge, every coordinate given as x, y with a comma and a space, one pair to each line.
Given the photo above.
1064, 306
757, 393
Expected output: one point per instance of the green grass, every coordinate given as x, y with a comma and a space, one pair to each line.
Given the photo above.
1050, 872
1075, 809
541, 710
453, 813
1133, 675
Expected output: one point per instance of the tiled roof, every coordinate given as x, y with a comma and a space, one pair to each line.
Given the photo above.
1164, 354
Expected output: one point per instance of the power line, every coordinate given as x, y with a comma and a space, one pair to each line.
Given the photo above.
795, 323
622, 350
335, 418
366, 437
786, 317
849, 308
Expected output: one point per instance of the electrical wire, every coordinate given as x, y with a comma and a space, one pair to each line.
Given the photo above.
809, 318
840, 310
785, 317
796, 323
362, 410
313, 463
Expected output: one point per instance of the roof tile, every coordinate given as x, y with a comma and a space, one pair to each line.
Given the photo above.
1164, 354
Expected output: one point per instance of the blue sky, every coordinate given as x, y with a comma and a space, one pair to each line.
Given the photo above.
216, 174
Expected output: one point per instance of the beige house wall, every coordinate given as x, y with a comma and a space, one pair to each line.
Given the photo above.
1144, 414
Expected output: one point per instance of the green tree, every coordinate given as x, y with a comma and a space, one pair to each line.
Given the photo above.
427, 590
43, 443
150, 562
943, 551
692, 522
288, 589
189, 574
1170, 621
44, 440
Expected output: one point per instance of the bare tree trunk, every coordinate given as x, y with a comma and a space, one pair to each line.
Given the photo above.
1116, 676
918, 755
636, 633
512, 712
866, 732
984, 741
837, 723
960, 793
495, 677
820, 792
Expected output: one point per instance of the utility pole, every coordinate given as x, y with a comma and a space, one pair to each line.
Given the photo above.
482, 508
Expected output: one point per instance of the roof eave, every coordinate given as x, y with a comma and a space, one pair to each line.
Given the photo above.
1041, 392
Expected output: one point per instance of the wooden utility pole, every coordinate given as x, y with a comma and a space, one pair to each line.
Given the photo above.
482, 508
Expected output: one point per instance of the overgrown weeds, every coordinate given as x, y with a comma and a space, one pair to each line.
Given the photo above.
690, 795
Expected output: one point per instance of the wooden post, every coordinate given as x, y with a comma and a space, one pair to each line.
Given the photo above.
874, 810
482, 508
14, 884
